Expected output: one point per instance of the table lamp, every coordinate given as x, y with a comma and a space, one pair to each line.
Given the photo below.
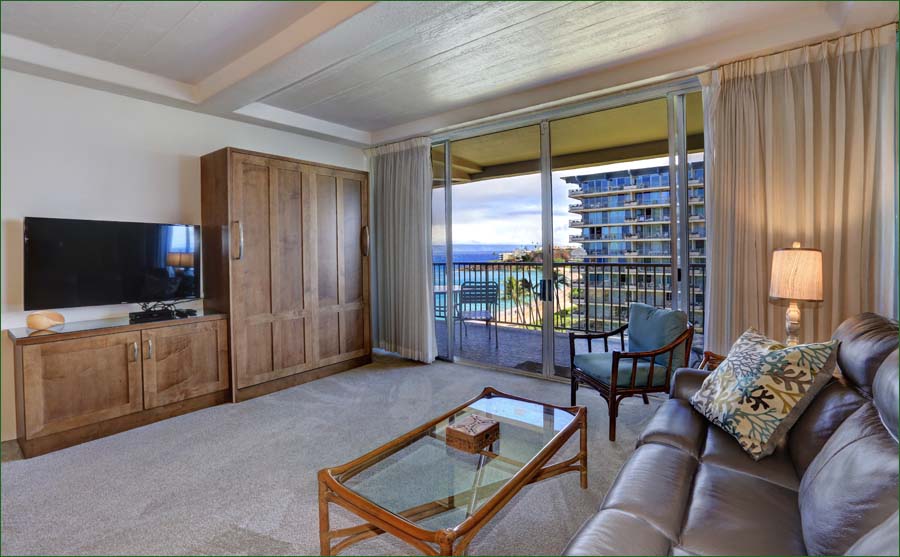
178, 259
796, 277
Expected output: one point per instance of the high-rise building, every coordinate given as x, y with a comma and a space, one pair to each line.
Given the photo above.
626, 229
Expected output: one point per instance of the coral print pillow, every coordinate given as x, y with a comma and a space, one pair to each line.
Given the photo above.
760, 390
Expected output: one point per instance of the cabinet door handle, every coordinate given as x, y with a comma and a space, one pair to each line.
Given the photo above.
240, 226
364, 240
134, 351
149, 349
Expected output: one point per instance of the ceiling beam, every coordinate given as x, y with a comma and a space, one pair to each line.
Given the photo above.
266, 114
458, 175
298, 34
462, 164
36, 58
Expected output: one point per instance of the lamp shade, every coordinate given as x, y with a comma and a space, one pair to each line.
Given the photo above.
796, 274
178, 259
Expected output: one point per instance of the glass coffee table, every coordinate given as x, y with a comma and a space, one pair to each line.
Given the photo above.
435, 497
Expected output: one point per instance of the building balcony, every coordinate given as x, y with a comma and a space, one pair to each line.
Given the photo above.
582, 193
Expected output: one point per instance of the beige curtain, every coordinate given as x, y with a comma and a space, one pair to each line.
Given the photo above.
401, 175
800, 146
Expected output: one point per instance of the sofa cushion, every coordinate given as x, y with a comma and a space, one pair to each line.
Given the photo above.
651, 328
612, 532
686, 382
822, 417
732, 513
851, 485
722, 450
599, 365
655, 485
677, 425
887, 393
866, 340
881, 540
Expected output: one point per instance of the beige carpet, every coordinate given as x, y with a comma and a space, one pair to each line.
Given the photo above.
239, 479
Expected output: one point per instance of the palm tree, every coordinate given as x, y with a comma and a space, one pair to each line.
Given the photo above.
512, 291
559, 280
532, 293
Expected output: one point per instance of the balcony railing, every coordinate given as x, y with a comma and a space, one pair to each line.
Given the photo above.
587, 296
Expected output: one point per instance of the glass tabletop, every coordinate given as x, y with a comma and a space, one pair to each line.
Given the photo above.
438, 486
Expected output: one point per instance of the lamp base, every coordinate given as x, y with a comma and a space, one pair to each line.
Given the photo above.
792, 324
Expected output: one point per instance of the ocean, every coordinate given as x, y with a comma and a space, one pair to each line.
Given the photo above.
482, 253
474, 253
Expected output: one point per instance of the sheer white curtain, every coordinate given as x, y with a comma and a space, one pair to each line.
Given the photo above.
401, 175
800, 145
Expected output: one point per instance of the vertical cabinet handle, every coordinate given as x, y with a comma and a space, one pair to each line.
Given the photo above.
240, 227
364, 240
149, 348
134, 351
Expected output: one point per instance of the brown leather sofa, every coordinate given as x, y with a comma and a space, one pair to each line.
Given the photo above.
830, 489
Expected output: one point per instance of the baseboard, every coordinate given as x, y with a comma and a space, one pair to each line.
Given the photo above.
299, 378
10, 450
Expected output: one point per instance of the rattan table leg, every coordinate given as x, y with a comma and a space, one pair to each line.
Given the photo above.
584, 453
324, 524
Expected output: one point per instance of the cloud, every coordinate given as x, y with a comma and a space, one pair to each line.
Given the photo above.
508, 211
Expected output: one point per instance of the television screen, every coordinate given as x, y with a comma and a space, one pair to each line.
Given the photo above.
71, 263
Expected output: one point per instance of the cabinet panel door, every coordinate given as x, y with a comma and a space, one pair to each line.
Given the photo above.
289, 311
354, 313
342, 279
184, 361
251, 296
73, 383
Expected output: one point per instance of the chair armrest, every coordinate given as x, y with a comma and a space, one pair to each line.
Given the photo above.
684, 338
601, 334
591, 336
710, 360
686, 382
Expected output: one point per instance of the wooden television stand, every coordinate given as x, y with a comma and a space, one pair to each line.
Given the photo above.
89, 379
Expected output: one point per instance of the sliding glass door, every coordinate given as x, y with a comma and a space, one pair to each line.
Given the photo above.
440, 253
497, 249
560, 225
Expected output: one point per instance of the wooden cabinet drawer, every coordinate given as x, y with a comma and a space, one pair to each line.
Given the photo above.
184, 361
77, 382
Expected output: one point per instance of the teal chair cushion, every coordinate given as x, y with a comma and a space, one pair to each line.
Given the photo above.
651, 328
599, 365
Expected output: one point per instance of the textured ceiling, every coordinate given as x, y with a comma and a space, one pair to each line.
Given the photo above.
474, 51
373, 72
185, 41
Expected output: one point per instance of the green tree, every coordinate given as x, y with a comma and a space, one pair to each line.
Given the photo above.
512, 291
527, 290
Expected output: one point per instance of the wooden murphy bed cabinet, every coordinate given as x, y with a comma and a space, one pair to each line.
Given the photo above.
91, 379
285, 254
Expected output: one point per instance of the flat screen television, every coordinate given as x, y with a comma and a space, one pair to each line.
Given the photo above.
70, 263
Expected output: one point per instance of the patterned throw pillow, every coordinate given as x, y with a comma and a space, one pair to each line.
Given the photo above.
760, 390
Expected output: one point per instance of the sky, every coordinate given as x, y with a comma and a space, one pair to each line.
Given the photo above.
508, 210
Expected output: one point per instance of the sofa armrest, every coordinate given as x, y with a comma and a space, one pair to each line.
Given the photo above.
686, 382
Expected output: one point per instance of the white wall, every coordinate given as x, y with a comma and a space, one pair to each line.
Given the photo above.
69, 151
